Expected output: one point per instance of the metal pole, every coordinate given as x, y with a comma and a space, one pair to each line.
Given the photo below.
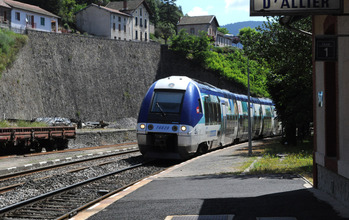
249, 110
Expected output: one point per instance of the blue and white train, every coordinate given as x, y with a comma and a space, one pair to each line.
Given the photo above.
181, 117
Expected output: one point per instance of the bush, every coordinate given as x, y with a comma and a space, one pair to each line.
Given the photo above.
10, 44
229, 62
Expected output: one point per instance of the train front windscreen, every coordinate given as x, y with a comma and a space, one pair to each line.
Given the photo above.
167, 102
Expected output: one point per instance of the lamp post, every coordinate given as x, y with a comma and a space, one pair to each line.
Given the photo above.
236, 40
249, 110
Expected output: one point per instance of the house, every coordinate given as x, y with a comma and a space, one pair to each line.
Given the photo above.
124, 20
19, 16
140, 16
223, 40
5, 15
195, 24
209, 24
105, 22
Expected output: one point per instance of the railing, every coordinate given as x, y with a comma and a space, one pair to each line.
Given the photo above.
31, 26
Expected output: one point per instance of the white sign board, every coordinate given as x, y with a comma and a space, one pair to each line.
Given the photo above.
295, 7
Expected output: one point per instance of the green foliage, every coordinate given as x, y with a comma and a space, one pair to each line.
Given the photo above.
169, 12
10, 44
154, 6
288, 55
30, 124
4, 124
165, 17
7, 124
67, 10
230, 63
278, 158
223, 30
165, 30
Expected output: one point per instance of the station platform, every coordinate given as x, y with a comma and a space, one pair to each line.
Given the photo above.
208, 188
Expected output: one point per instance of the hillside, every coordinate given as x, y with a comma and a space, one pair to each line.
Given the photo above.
235, 27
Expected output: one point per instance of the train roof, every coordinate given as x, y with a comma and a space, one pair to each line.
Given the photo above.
181, 83
203, 86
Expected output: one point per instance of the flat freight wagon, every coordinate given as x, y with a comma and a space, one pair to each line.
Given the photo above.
33, 139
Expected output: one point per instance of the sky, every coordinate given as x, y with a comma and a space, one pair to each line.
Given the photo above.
226, 11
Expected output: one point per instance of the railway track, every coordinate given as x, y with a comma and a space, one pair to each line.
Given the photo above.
76, 161
24, 185
67, 201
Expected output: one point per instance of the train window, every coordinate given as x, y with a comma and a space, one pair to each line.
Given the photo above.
167, 102
212, 111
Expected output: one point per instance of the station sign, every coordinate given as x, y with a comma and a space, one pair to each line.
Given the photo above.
326, 48
295, 7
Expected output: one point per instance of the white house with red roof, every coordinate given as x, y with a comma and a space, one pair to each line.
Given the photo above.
25, 16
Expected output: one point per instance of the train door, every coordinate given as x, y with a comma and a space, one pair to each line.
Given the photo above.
240, 120
257, 120
235, 120
252, 118
224, 106
261, 121
272, 120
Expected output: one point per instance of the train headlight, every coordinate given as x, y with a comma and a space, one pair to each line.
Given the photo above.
174, 128
142, 126
150, 127
183, 128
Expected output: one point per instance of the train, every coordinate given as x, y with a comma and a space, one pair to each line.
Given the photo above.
21, 140
182, 117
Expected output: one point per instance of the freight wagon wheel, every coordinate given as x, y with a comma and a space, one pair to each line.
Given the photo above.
37, 147
47, 144
62, 144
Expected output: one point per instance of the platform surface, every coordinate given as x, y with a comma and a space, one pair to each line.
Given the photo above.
207, 187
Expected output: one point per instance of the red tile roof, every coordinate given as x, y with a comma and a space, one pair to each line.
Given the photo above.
110, 10
3, 4
27, 7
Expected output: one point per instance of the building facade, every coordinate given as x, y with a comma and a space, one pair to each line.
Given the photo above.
208, 24
139, 12
331, 104
223, 40
125, 20
19, 16
105, 22
5, 15
196, 24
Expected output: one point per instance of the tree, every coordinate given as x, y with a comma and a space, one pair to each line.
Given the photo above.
165, 30
223, 30
230, 63
169, 12
154, 7
288, 55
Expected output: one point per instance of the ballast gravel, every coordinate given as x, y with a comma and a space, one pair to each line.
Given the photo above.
44, 182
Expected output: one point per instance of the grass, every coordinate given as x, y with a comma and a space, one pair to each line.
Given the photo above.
10, 45
276, 158
7, 124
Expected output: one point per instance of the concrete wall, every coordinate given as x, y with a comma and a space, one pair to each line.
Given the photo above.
85, 138
97, 79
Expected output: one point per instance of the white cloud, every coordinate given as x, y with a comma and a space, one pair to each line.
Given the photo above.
197, 11
237, 5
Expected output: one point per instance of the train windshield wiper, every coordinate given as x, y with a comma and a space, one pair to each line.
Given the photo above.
162, 111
